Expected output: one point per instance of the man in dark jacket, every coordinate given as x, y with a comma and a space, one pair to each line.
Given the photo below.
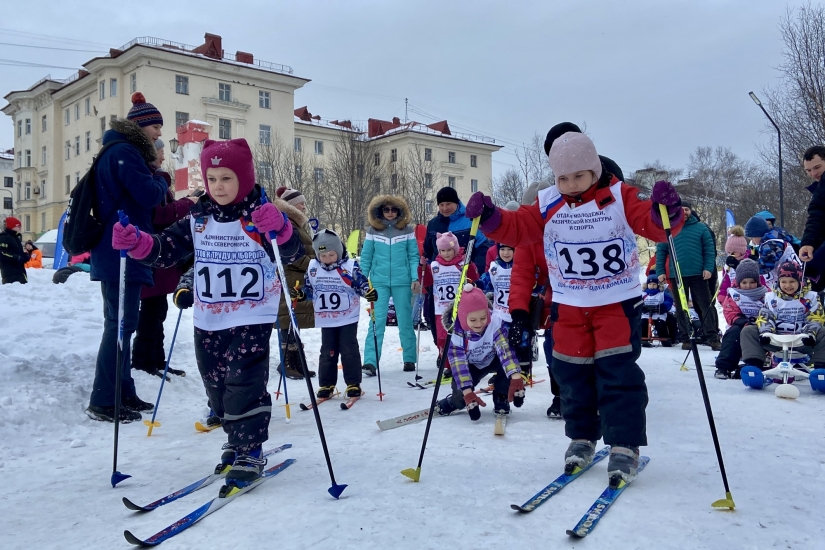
814, 162
697, 259
126, 179
12, 256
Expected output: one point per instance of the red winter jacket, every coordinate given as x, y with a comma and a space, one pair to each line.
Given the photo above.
458, 259
530, 271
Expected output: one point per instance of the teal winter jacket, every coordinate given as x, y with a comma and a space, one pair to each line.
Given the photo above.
390, 253
694, 248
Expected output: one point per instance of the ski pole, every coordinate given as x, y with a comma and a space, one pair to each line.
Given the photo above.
282, 347
726, 502
117, 477
415, 473
151, 423
377, 350
335, 490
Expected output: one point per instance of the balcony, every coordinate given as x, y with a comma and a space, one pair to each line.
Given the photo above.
231, 104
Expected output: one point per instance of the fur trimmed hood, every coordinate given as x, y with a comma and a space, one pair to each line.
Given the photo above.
136, 137
376, 218
295, 215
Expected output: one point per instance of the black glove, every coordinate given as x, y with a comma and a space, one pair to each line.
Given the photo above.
765, 339
521, 329
731, 261
297, 294
809, 340
371, 295
473, 401
740, 322
184, 298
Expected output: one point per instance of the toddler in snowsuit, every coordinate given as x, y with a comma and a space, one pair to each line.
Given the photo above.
773, 248
657, 305
235, 294
737, 249
790, 308
495, 282
479, 347
587, 223
334, 282
741, 306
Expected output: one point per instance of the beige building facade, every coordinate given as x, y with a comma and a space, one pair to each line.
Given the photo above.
6, 185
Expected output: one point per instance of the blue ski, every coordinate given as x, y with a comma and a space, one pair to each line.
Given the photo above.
558, 484
598, 509
212, 506
189, 489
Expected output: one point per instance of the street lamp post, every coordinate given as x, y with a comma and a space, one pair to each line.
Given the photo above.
779, 140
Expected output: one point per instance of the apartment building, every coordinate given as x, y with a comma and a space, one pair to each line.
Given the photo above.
59, 123
7, 189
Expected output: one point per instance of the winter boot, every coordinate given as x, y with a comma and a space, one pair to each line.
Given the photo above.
715, 345
554, 410
247, 468
500, 404
721, 374
136, 404
622, 465
354, 390
213, 419
409, 367
107, 414
445, 406
325, 392
369, 369
291, 373
579, 454
227, 459
293, 361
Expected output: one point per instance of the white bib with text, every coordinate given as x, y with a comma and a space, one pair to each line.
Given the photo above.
480, 353
335, 302
445, 285
500, 279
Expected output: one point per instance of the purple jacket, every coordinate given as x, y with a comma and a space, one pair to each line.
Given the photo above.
165, 214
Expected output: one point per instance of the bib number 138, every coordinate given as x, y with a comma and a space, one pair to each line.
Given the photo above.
591, 260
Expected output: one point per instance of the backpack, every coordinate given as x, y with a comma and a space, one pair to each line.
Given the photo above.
83, 227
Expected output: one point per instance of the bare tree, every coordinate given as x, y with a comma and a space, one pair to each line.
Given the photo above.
507, 187
417, 176
533, 164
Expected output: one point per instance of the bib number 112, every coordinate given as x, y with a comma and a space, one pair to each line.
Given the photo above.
591, 260
228, 283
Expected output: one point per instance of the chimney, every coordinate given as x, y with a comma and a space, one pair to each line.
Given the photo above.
396, 120
211, 47
244, 57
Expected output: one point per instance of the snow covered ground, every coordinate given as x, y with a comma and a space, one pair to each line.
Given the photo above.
55, 463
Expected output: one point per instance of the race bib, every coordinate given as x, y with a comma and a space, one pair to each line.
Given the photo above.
591, 261
331, 301
217, 283
502, 298
446, 292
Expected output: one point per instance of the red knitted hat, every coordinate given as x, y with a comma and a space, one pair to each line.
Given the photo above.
233, 154
11, 222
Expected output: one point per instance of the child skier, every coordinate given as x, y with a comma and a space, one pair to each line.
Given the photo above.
333, 282
657, 305
496, 281
790, 308
741, 306
478, 347
587, 223
235, 293
737, 249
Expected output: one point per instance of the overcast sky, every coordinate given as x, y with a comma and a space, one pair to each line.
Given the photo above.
651, 79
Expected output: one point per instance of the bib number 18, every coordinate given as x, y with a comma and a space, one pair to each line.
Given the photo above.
591, 260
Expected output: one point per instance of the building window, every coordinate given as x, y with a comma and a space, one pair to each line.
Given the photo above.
76, 145
88, 103
27, 223
451, 181
319, 147
297, 145
319, 175
359, 171
8, 181
428, 155
224, 92
28, 191
393, 155
77, 111
68, 150
394, 181
376, 185
224, 128
265, 170
7, 203
102, 126
112, 87
68, 184
265, 134
299, 172
181, 118
43, 189
20, 128
181, 84
473, 161
112, 118
428, 207
102, 89
28, 126
132, 83
377, 159
428, 181
43, 156
43, 123
473, 186
43, 222
263, 100
19, 159
451, 157
88, 141
66, 117
28, 158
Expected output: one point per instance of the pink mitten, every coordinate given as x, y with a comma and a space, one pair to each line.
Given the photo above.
268, 218
128, 237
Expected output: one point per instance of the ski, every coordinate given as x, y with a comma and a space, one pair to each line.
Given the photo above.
598, 509
203, 428
403, 420
349, 403
557, 485
189, 489
212, 506
318, 401
501, 423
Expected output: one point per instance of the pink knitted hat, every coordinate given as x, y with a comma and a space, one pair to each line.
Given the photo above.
233, 154
735, 243
574, 152
446, 241
472, 299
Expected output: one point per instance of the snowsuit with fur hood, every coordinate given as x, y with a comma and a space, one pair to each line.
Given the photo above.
389, 259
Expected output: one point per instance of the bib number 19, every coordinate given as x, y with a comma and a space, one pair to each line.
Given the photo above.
591, 260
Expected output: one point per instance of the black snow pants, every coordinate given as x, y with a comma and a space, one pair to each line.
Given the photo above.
339, 341
147, 348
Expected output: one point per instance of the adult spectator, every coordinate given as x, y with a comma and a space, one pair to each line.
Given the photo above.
35, 256
12, 256
148, 354
126, 179
293, 203
389, 259
811, 250
697, 259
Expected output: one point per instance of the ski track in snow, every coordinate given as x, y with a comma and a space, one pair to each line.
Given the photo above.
56, 463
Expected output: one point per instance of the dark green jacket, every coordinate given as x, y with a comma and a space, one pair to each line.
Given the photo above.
694, 247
